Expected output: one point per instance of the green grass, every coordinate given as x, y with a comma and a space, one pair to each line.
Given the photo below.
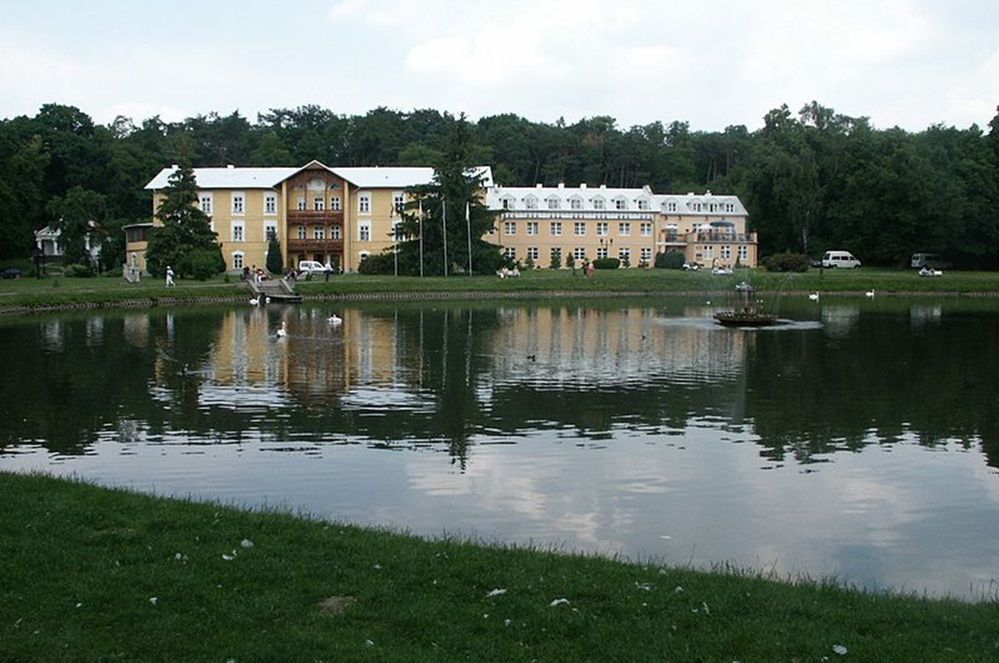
80, 566
68, 292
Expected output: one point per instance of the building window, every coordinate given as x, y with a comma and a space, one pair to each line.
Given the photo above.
301, 232
643, 205
743, 253
238, 203
206, 204
670, 207
601, 252
624, 229
532, 253
509, 228
579, 253
510, 253
318, 204
556, 228
709, 252
601, 228
335, 203
270, 230
237, 232
335, 232
364, 232
398, 200
646, 229
556, 256
711, 207
507, 203
237, 260
301, 203
532, 228
270, 203
576, 203
624, 255
695, 206
726, 253
729, 207
598, 203
531, 202
553, 203
319, 232
620, 203
364, 204
646, 253
579, 228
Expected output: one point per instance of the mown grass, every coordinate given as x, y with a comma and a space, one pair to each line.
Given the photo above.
81, 565
56, 292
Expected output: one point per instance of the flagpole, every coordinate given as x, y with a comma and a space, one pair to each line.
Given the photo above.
421, 237
468, 227
444, 228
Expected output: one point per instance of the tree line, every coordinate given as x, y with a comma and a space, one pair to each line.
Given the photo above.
811, 180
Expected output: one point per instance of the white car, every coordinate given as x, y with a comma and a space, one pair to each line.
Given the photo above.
311, 267
840, 259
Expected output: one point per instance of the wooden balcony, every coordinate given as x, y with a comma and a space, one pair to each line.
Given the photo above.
315, 246
314, 217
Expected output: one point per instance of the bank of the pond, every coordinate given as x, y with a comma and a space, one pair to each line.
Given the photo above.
91, 573
25, 295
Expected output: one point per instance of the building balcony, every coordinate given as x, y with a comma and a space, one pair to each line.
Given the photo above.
314, 217
315, 246
725, 238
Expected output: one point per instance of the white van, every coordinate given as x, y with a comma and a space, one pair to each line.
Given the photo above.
841, 259
310, 267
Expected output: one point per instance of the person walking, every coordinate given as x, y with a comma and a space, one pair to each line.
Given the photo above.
328, 270
169, 277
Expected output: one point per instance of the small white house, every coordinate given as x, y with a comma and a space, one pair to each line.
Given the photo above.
47, 240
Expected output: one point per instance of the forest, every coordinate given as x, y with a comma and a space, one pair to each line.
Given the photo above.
812, 180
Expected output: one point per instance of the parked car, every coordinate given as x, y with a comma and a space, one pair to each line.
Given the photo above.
311, 267
840, 260
10, 273
929, 260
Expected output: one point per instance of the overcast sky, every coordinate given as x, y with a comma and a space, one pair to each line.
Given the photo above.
713, 63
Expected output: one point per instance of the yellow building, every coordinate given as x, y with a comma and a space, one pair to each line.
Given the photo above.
316, 212
546, 224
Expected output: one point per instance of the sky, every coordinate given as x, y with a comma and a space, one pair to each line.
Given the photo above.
712, 63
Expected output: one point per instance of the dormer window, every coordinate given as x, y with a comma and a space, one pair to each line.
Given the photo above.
671, 206
729, 207
643, 205
531, 202
576, 203
620, 204
598, 203
507, 203
553, 203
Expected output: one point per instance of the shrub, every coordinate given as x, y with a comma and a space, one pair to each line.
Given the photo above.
606, 263
786, 262
383, 263
529, 263
79, 271
201, 264
570, 261
670, 260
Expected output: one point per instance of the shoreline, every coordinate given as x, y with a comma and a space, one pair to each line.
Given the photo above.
116, 573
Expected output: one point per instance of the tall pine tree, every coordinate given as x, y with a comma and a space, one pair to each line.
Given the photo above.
185, 241
455, 186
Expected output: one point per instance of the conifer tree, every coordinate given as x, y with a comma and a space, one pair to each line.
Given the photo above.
185, 241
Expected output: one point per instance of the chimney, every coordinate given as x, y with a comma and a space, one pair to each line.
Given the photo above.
603, 186
174, 166
561, 185
537, 186
582, 185
230, 166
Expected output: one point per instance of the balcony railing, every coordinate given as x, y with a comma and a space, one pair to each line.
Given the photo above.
314, 217
315, 245
723, 238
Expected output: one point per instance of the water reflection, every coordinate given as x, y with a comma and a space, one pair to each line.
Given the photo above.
835, 445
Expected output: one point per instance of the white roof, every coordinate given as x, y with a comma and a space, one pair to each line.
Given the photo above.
364, 177
518, 197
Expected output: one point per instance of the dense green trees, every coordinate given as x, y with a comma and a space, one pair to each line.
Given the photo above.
185, 241
812, 180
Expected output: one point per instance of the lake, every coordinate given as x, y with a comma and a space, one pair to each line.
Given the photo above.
859, 441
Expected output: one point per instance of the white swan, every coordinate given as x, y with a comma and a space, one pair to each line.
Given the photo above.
814, 296
869, 294
283, 331
267, 300
254, 301
334, 319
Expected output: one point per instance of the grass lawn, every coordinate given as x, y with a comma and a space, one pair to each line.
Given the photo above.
61, 291
90, 573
